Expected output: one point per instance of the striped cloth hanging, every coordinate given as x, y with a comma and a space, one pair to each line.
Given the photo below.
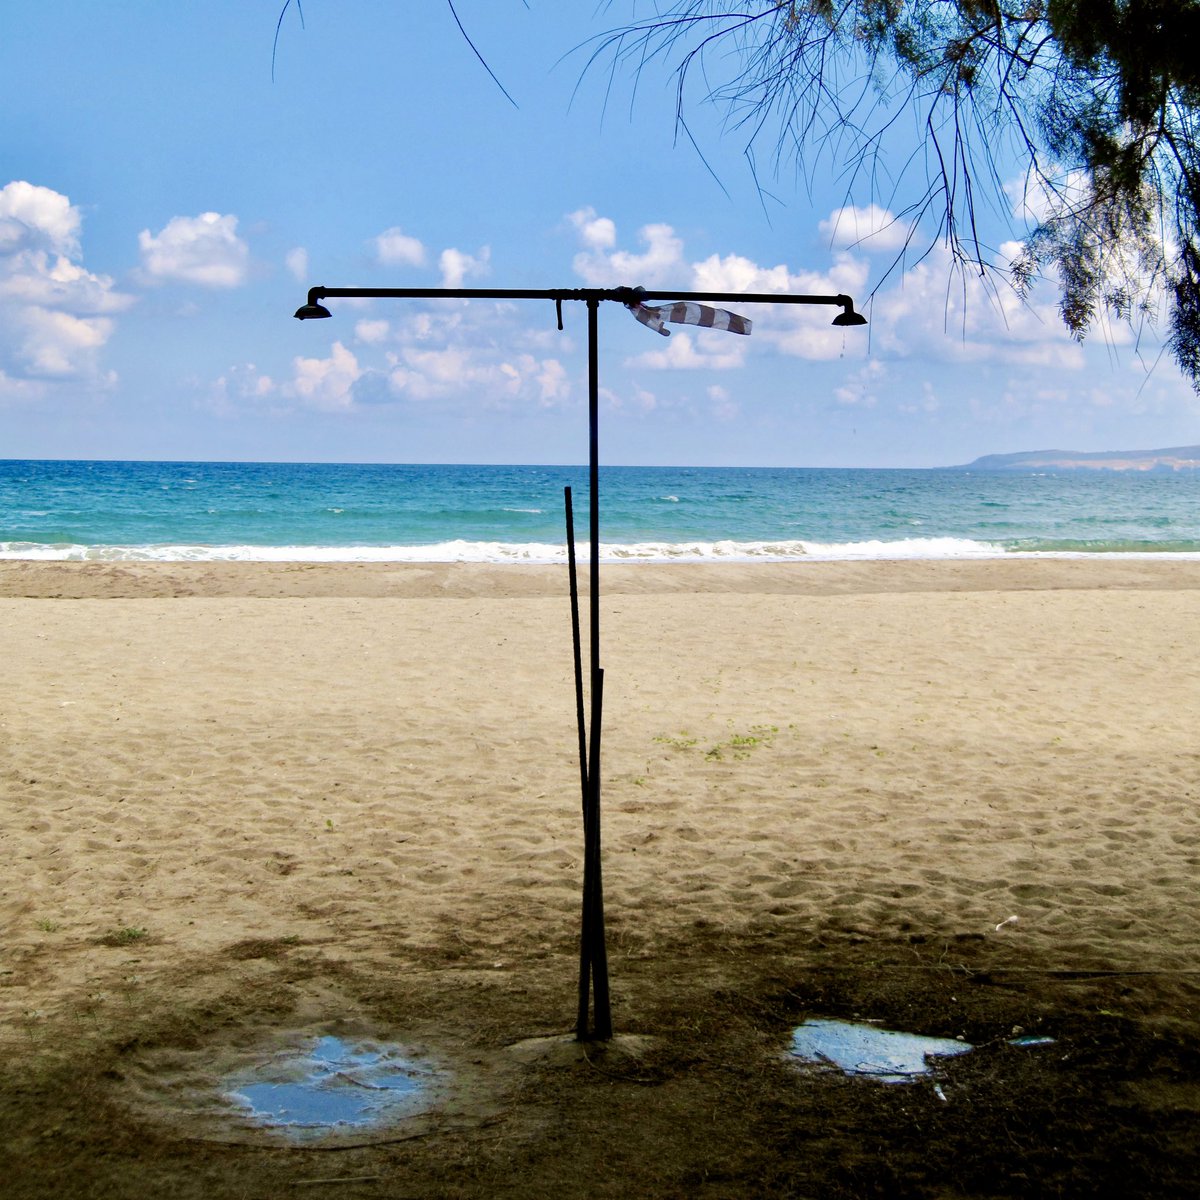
688, 313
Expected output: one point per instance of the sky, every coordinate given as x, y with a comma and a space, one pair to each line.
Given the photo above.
172, 180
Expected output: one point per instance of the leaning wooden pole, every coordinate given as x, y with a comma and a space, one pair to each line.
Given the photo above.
585, 940
573, 576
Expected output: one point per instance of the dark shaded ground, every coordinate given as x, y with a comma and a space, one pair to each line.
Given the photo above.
711, 1109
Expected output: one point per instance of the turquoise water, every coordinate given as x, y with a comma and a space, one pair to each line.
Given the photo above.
348, 512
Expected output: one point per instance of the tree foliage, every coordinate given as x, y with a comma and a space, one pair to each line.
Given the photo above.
1096, 99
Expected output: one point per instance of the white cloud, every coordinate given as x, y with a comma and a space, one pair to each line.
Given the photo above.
645, 400
940, 312
733, 273
57, 341
242, 384
393, 247
55, 316
633, 399
681, 352
205, 250
859, 390
916, 316
444, 323
847, 276
19, 389
926, 404
427, 373
721, 406
546, 378
263, 385
296, 262
869, 229
597, 233
35, 278
457, 265
372, 332
662, 259
1035, 197
792, 329
471, 352
549, 375
326, 384
37, 218
461, 372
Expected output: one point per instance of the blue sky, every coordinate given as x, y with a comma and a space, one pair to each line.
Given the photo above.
165, 203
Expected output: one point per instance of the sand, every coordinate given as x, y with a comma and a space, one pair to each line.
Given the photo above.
381, 760
248, 803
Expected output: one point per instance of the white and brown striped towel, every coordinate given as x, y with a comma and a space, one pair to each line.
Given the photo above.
687, 313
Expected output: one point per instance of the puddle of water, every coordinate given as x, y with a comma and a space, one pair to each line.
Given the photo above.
858, 1049
333, 1084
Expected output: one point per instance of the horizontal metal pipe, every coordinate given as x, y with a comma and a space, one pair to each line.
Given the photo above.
623, 295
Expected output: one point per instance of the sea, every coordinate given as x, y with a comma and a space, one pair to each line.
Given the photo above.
344, 512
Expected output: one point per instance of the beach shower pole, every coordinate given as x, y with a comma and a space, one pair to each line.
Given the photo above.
593, 958
593, 954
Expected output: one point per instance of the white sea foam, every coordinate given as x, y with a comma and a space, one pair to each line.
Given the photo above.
457, 551
543, 552
938, 547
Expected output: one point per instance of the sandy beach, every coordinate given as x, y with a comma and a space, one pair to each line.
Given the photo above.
205, 765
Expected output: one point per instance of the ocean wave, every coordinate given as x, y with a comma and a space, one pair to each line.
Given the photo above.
1085, 547
456, 551
546, 552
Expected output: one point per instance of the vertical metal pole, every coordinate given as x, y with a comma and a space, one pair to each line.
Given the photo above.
594, 894
593, 956
585, 950
594, 483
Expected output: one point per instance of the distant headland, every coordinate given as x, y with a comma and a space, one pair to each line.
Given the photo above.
1176, 458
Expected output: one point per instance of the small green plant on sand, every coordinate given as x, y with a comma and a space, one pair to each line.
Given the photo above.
48, 926
741, 744
125, 936
748, 739
680, 742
